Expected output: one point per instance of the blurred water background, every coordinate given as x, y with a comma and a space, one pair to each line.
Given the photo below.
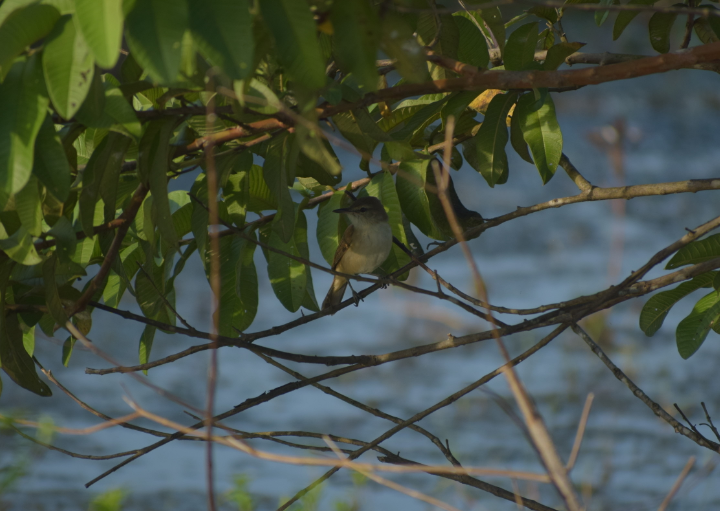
629, 458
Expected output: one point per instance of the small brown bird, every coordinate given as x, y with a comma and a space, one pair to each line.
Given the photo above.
365, 244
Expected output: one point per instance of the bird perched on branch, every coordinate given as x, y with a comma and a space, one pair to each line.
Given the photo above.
364, 246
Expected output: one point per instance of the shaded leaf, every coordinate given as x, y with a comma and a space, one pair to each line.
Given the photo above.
145, 345
472, 47
399, 44
625, 17
355, 37
520, 49
659, 30
16, 361
292, 26
21, 28
222, 29
152, 169
329, 224
51, 166
557, 54
154, 31
489, 143
414, 198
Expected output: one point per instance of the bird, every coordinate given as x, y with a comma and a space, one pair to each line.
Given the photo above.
365, 245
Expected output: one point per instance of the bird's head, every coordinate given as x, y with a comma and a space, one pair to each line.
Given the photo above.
365, 210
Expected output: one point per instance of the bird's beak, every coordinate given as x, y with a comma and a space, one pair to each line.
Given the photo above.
341, 210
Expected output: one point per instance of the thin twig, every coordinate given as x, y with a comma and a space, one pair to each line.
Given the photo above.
678, 482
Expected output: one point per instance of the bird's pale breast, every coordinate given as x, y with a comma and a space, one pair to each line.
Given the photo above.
368, 250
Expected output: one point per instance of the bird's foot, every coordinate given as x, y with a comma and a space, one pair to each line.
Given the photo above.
356, 297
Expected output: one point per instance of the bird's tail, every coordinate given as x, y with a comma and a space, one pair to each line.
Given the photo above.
336, 292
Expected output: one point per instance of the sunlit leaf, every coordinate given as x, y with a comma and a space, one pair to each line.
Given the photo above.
692, 331
696, 252
68, 65
101, 23
23, 105
541, 132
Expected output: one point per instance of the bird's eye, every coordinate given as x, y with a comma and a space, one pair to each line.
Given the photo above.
363, 210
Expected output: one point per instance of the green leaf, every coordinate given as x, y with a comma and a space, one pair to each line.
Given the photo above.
601, 16
355, 37
693, 329
625, 17
279, 162
292, 26
66, 239
51, 165
382, 187
154, 30
152, 169
705, 31
246, 285
329, 225
656, 309
101, 23
104, 166
236, 193
520, 48
557, 54
151, 292
472, 47
546, 13
309, 168
399, 43
441, 30
518, 141
466, 217
494, 20
16, 361
21, 28
492, 137
420, 120
456, 104
659, 29
696, 252
317, 149
414, 198
68, 66
145, 345
23, 106
541, 132
52, 298
29, 207
19, 246
288, 277
222, 29
67, 349
301, 242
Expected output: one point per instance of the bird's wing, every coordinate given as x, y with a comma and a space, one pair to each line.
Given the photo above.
343, 246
